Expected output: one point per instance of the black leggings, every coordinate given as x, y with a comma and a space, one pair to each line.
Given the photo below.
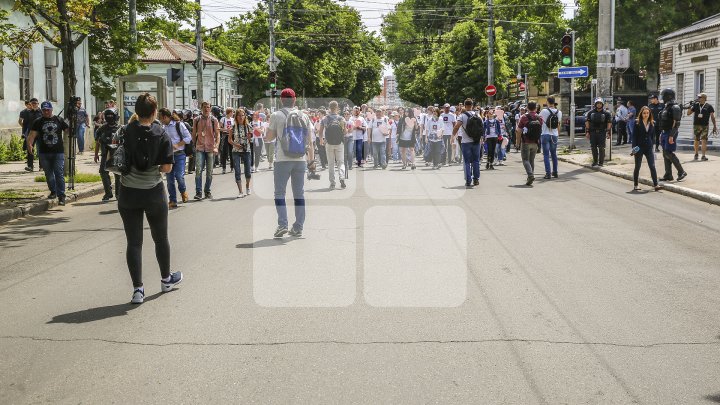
646, 151
491, 146
133, 203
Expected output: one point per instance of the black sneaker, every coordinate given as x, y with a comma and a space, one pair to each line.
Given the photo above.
332, 187
530, 180
555, 175
208, 195
696, 157
280, 232
704, 158
61, 201
547, 177
295, 233
666, 178
682, 176
342, 183
476, 182
468, 185
52, 196
198, 196
594, 165
107, 197
28, 169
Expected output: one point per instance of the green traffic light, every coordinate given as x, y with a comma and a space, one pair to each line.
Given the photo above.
272, 85
566, 61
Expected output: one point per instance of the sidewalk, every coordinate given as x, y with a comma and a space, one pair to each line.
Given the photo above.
30, 196
702, 182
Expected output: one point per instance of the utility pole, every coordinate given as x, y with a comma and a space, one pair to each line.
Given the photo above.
199, 58
605, 46
572, 97
133, 29
272, 49
491, 45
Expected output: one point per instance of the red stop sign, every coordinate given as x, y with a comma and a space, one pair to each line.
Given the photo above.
490, 90
521, 86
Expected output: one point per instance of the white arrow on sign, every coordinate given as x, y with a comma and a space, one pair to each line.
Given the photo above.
273, 61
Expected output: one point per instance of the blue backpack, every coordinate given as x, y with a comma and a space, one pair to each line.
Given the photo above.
292, 139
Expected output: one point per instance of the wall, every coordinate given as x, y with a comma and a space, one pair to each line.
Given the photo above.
682, 64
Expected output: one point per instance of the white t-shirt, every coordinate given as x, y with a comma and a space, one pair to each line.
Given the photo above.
393, 130
492, 128
448, 121
358, 134
227, 124
376, 125
464, 118
432, 127
545, 114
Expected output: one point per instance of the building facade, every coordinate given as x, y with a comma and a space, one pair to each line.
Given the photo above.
690, 64
39, 75
220, 79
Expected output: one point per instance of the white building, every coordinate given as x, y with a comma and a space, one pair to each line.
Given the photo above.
690, 64
38, 75
220, 79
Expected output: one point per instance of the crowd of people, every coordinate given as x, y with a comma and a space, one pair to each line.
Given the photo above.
294, 142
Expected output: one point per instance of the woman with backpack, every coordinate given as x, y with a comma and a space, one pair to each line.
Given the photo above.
407, 129
240, 142
642, 143
149, 153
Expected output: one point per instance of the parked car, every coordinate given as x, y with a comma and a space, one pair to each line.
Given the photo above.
579, 121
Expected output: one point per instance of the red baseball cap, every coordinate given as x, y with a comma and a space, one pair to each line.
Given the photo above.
287, 93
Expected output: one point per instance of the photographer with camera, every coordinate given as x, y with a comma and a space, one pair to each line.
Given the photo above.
703, 112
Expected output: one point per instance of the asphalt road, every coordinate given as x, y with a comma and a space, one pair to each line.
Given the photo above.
406, 288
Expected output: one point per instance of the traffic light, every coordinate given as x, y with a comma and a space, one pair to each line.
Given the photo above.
566, 51
272, 77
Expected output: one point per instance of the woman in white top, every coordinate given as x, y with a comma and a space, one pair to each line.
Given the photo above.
258, 132
433, 134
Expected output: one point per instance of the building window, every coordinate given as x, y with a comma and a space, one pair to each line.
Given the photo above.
680, 85
699, 81
50, 84
24, 79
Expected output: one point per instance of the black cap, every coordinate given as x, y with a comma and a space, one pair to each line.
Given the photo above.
652, 96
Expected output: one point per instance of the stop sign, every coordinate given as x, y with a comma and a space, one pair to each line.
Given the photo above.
521, 86
490, 90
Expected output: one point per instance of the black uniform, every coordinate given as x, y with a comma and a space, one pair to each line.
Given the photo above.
104, 136
670, 122
655, 110
598, 129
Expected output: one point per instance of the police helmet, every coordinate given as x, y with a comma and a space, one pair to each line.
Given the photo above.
111, 116
667, 95
599, 100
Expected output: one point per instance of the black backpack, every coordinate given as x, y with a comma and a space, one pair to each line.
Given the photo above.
534, 128
334, 130
474, 127
553, 120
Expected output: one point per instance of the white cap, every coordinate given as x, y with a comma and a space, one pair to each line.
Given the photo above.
446, 105
452, 109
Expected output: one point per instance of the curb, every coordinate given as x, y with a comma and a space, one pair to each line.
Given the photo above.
688, 192
40, 206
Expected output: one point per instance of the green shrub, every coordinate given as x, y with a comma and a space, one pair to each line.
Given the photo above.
79, 178
15, 149
4, 152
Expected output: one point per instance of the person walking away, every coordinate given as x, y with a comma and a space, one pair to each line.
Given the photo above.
51, 153
433, 136
631, 118
669, 123
408, 128
379, 129
188, 119
226, 124
656, 108
598, 125
470, 128
703, 112
206, 136
643, 146
621, 118
492, 132
552, 117
332, 133
530, 130
320, 146
142, 193
179, 137
27, 118
103, 151
292, 129
240, 142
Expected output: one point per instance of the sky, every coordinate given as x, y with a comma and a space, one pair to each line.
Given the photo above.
217, 12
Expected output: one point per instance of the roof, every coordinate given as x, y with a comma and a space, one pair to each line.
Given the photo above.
174, 51
710, 22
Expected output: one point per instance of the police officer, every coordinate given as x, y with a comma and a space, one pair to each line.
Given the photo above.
103, 140
669, 123
598, 124
656, 108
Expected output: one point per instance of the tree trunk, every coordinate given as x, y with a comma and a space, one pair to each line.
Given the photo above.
69, 82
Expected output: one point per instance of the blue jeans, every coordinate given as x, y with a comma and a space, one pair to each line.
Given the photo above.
359, 151
471, 161
631, 130
436, 153
500, 152
53, 165
176, 174
549, 147
395, 149
80, 134
241, 159
379, 151
203, 160
295, 172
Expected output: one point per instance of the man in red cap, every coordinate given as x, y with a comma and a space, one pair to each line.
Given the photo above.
292, 129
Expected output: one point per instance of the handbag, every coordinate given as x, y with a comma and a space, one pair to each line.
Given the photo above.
119, 162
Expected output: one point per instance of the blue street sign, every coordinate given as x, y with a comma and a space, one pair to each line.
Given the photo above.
571, 72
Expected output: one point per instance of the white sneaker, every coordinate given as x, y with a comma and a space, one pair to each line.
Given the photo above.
241, 195
249, 191
138, 296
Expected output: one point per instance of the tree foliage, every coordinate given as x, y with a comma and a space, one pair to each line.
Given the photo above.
439, 49
638, 25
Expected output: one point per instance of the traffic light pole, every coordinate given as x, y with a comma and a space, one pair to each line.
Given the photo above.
199, 58
272, 51
491, 44
572, 98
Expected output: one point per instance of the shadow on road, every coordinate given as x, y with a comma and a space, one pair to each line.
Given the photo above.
108, 212
265, 243
28, 227
99, 313
713, 398
85, 204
